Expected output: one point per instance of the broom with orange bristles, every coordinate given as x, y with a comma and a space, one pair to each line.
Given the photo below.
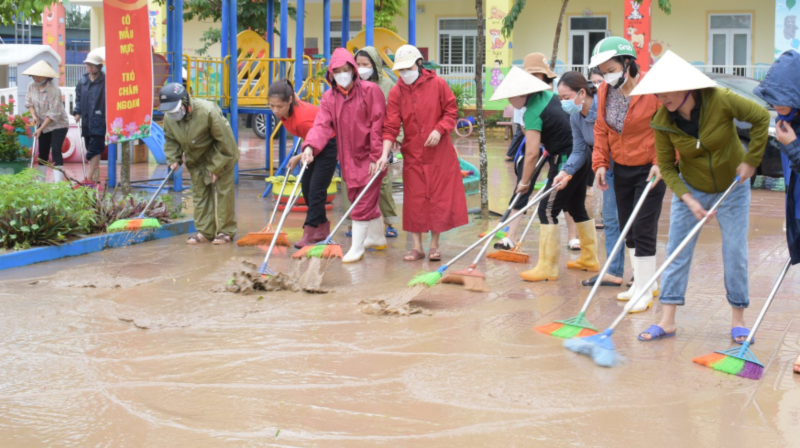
515, 255
741, 361
265, 235
140, 222
293, 196
578, 326
327, 248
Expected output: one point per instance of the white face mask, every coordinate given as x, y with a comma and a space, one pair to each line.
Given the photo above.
365, 73
612, 78
343, 79
409, 76
177, 114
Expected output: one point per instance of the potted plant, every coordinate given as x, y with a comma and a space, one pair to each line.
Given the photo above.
13, 156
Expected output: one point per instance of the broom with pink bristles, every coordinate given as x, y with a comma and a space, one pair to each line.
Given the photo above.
741, 361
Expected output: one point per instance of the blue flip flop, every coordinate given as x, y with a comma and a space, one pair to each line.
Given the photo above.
737, 332
391, 232
655, 333
348, 234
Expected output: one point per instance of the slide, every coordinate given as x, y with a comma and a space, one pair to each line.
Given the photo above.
155, 143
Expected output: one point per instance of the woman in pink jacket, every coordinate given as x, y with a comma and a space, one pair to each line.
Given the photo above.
353, 110
433, 191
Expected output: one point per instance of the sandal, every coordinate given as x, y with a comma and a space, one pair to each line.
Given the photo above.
739, 332
574, 244
655, 333
434, 254
504, 244
391, 232
220, 239
600, 225
414, 255
593, 280
197, 239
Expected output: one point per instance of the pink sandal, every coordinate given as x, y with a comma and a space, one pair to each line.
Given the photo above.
414, 255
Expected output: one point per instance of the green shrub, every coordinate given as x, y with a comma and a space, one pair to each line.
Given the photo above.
491, 121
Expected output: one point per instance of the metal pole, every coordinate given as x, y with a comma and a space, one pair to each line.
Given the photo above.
112, 166
233, 52
326, 29
412, 22
284, 34
345, 22
369, 26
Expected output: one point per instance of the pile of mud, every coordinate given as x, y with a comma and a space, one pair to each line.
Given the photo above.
247, 280
398, 304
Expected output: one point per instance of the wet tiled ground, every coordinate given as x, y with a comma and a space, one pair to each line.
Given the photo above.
297, 369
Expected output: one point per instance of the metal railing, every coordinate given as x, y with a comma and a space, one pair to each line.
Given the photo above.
750, 71
73, 73
7, 94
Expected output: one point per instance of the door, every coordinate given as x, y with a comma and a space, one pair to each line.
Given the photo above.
729, 44
584, 34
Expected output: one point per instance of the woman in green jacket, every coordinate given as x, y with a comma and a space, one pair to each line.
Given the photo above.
370, 68
697, 121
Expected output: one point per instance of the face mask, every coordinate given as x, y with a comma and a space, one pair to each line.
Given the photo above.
42, 82
365, 73
409, 76
612, 79
597, 84
789, 117
570, 107
176, 115
343, 79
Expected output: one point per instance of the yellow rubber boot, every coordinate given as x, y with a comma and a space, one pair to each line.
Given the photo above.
549, 252
588, 259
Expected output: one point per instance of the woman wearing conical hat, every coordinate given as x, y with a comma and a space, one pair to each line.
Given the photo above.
622, 133
43, 101
697, 121
546, 123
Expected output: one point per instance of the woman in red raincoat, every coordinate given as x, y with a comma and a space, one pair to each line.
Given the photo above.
433, 191
353, 110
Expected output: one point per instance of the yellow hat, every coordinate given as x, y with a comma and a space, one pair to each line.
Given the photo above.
41, 68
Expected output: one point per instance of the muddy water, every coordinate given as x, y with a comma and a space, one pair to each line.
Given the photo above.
136, 347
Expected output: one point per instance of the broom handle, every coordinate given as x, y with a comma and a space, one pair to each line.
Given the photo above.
353, 205
289, 205
283, 186
153, 198
33, 151
530, 221
671, 258
499, 226
618, 245
769, 300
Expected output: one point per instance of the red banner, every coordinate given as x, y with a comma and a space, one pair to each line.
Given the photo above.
129, 70
637, 30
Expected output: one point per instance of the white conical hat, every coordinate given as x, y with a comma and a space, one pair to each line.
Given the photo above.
41, 68
517, 83
672, 74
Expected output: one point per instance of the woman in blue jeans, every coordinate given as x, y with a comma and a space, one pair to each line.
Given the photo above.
786, 102
697, 121
572, 86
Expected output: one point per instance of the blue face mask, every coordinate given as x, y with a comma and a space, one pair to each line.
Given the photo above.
570, 107
789, 117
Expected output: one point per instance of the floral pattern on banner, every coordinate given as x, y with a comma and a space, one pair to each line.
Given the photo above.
131, 131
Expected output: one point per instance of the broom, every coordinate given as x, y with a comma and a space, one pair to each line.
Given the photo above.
265, 235
140, 222
327, 248
430, 278
741, 361
264, 270
578, 326
600, 347
516, 255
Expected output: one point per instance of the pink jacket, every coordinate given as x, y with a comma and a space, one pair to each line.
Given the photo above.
355, 119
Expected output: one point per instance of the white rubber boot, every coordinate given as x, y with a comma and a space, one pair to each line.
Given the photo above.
376, 239
58, 176
645, 270
356, 252
627, 295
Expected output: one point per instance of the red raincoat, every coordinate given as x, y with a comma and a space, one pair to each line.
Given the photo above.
433, 191
355, 119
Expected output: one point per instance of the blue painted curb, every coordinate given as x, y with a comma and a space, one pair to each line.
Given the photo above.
88, 245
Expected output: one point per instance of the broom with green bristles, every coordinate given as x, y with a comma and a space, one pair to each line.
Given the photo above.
327, 248
578, 326
600, 347
741, 361
430, 278
140, 222
293, 196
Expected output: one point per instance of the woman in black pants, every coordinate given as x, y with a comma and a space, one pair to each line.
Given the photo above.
298, 118
43, 101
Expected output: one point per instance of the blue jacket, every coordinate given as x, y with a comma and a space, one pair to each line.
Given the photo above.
90, 103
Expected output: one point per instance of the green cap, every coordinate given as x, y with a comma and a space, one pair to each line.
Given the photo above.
609, 48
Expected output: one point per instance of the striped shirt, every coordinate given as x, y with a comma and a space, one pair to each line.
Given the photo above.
46, 101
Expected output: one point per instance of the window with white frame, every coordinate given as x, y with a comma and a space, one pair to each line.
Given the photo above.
730, 43
584, 34
457, 44
336, 32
